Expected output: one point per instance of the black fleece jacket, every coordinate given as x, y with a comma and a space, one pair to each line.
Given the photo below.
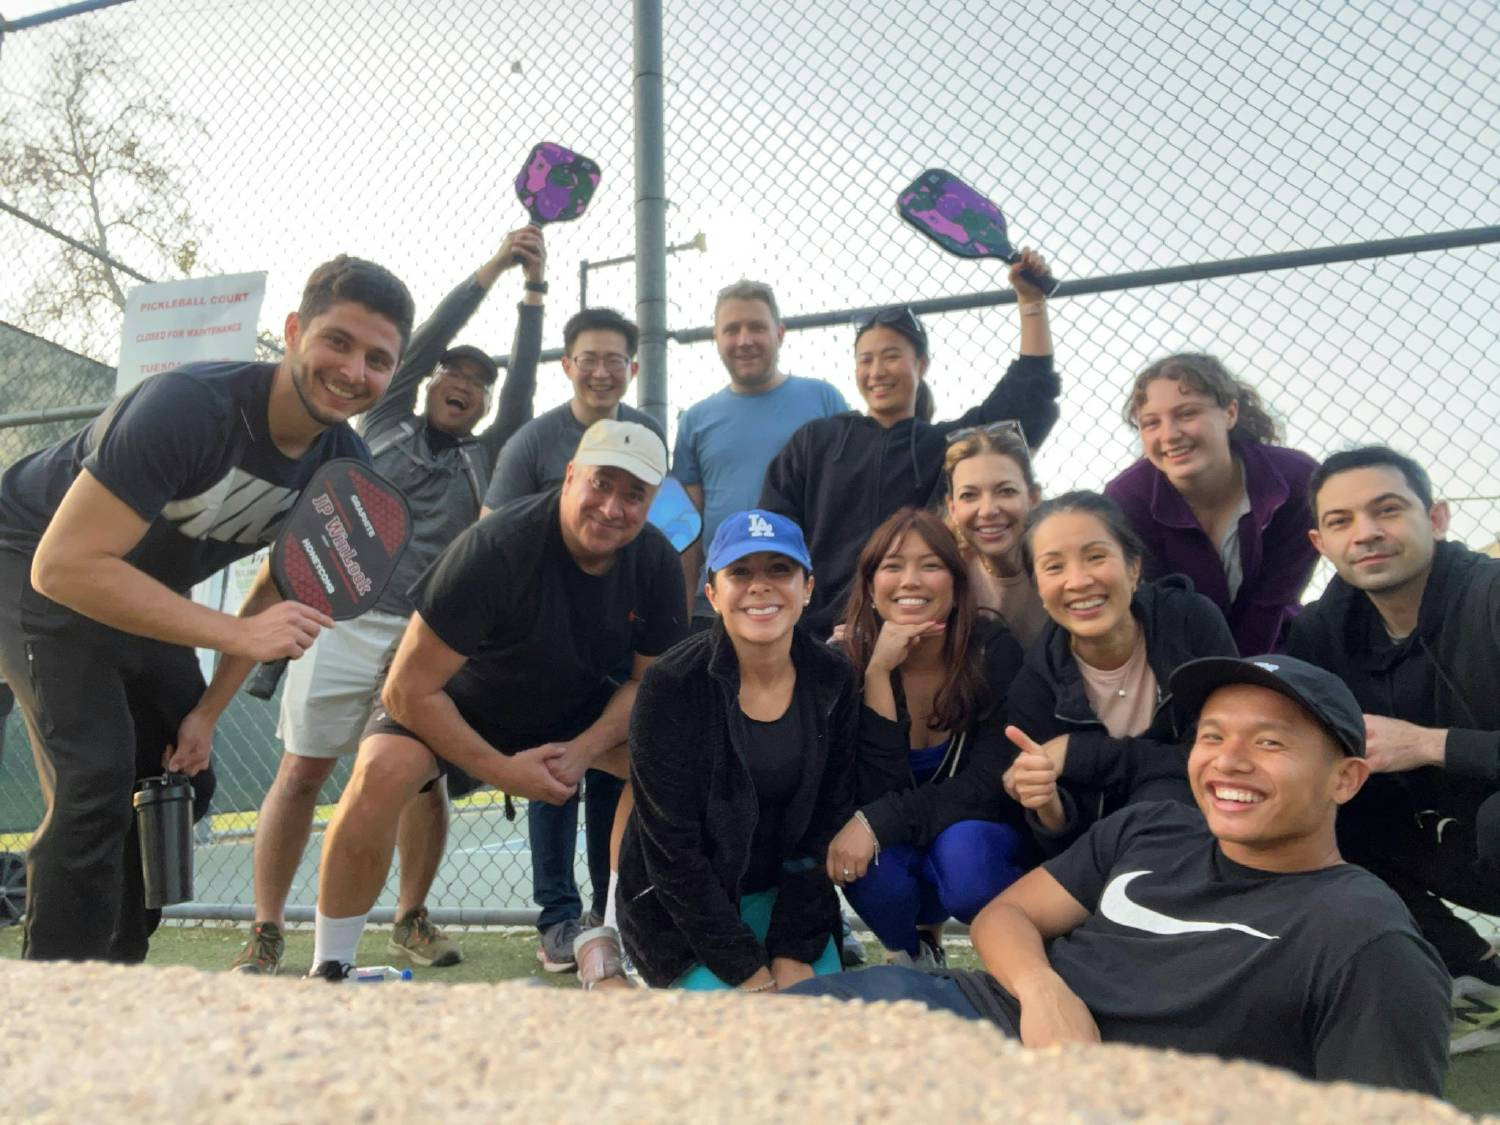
1446, 674
1101, 773
967, 784
840, 477
687, 845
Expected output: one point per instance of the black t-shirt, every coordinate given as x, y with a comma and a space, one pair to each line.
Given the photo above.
190, 451
1320, 972
543, 638
774, 752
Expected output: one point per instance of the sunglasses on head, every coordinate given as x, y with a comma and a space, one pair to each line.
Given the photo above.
991, 429
901, 319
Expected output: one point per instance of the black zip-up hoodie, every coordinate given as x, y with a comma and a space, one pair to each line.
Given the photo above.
1101, 773
966, 785
687, 845
1445, 674
841, 477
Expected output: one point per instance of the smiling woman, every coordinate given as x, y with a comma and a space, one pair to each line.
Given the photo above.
1215, 497
741, 752
1088, 708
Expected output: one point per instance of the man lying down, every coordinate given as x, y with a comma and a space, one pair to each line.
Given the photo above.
1237, 931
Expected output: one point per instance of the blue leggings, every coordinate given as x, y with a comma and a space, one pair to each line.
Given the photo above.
954, 877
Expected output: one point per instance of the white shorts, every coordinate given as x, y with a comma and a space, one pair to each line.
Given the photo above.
326, 698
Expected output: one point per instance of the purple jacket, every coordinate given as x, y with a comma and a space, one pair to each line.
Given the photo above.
1275, 552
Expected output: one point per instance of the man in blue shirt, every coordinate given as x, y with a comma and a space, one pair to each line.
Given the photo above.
725, 442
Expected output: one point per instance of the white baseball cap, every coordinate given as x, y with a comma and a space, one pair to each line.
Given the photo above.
624, 445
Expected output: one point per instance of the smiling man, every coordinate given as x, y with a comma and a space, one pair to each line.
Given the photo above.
599, 361
509, 669
102, 537
1237, 931
1412, 625
442, 466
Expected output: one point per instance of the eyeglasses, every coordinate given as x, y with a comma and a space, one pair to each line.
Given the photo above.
588, 363
900, 318
991, 429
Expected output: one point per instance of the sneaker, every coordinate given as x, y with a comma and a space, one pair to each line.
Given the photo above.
932, 955
422, 942
262, 953
599, 958
1476, 1016
851, 949
556, 950
333, 972
591, 920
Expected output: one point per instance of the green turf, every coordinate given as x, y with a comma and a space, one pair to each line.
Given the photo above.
493, 955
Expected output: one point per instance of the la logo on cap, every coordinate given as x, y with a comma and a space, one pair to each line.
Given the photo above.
760, 528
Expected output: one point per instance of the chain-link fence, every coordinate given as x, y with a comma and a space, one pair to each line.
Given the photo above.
1122, 138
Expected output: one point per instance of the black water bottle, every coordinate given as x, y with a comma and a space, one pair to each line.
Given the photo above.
164, 819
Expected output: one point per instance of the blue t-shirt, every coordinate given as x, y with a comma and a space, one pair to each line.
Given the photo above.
725, 442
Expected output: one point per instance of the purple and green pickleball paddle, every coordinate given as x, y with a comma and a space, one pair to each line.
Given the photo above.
961, 221
556, 183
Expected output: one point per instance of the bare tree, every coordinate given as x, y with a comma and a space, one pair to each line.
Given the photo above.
91, 156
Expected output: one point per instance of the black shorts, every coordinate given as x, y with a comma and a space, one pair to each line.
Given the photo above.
460, 782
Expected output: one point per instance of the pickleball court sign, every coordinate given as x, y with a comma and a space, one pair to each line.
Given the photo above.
202, 319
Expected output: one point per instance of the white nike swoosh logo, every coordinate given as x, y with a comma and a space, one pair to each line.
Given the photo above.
1115, 905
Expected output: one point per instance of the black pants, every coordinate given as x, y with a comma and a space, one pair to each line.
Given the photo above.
101, 706
1427, 857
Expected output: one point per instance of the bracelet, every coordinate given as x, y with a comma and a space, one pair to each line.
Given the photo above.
769, 986
535, 286
859, 815
1035, 308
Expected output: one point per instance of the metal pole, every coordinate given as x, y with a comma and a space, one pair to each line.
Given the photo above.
55, 14
650, 210
1142, 279
583, 285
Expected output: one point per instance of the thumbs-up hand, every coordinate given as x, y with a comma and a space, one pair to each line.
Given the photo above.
1031, 780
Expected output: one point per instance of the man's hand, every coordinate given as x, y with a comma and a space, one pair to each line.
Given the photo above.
1052, 1013
1394, 746
1027, 293
787, 972
287, 629
529, 774
895, 643
527, 248
566, 761
850, 852
195, 744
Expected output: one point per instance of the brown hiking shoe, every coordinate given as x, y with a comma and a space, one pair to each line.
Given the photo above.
262, 953
421, 941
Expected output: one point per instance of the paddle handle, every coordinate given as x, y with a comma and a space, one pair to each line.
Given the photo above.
1043, 281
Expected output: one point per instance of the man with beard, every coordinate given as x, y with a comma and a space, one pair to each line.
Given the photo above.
1412, 625
441, 465
103, 535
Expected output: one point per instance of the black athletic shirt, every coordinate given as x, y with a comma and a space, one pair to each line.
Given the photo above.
190, 451
1320, 972
774, 751
543, 638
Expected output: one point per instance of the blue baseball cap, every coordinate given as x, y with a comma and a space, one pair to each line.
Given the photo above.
746, 533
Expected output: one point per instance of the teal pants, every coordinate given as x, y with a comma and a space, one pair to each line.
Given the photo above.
755, 912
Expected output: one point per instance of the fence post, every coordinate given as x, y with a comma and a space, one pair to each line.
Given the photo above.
650, 210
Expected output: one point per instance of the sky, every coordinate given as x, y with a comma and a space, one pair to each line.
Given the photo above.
1117, 136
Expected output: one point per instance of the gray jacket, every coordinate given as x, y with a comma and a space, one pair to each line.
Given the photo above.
444, 481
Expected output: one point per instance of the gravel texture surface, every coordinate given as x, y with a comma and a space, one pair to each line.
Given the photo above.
100, 1043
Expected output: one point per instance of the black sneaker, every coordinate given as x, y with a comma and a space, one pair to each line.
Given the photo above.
332, 971
932, 955
556, 949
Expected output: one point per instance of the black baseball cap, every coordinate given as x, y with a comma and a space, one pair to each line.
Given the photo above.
487, 369
1318, 692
